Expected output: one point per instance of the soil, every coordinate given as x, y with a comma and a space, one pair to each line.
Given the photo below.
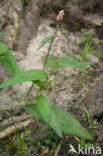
73, 90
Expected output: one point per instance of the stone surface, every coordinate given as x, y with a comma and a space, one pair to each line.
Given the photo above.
28, 29
94, 98
18, 17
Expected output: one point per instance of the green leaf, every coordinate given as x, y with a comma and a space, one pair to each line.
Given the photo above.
29, 75
70, 125
50, 62
45, 41
38, 83
32, 109
8, 59
47, 114
3, 49
0, 33
66, 62
83, 29
64, 31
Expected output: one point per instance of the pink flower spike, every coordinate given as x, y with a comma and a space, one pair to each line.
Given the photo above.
56, 39
60, 15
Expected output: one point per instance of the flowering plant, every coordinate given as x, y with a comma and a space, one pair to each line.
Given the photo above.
58, 119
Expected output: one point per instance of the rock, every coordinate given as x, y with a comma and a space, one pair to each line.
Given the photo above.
28, 29
18, 18
96, 20
10, 13
1, 119
94, 99
5, 99
92, 58
5, 115
3, 73
21, 17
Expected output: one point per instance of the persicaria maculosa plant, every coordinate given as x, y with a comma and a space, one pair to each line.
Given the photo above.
58, 119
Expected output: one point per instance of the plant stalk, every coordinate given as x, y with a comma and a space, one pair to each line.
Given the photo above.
18, 105
27, 93
57, 26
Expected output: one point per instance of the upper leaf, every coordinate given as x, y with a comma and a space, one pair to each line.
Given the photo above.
65, 62
70, 125
29, 75
45, 41
8, 59
38, 83
47, 114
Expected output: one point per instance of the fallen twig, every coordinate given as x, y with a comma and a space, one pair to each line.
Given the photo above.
58, 149
15, 119
77, 139
13, 129
46, 151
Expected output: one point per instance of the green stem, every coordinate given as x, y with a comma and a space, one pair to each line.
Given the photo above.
51, 45
27, 93
51, 72
48, 53
7, 108
30, 100
18, 105
53, 68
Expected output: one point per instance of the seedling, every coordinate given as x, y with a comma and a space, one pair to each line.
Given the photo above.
89, 41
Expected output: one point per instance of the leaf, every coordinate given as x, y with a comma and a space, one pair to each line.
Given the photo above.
29, 75
8, 59
66, 62
45, 41
87, 45
50, 62
38, 83
32, 109
3, 49
0, 33
64, 31
70, 125
47, 114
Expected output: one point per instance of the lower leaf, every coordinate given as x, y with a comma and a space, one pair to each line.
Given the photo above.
48, 114
32, 109
70, 125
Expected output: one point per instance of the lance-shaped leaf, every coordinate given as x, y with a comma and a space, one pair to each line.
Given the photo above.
45, 41
48, 114
33, 110
8, 59
70, 125
29, 75
66, 62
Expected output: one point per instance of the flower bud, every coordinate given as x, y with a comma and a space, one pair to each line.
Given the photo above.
56, 40
60, 15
